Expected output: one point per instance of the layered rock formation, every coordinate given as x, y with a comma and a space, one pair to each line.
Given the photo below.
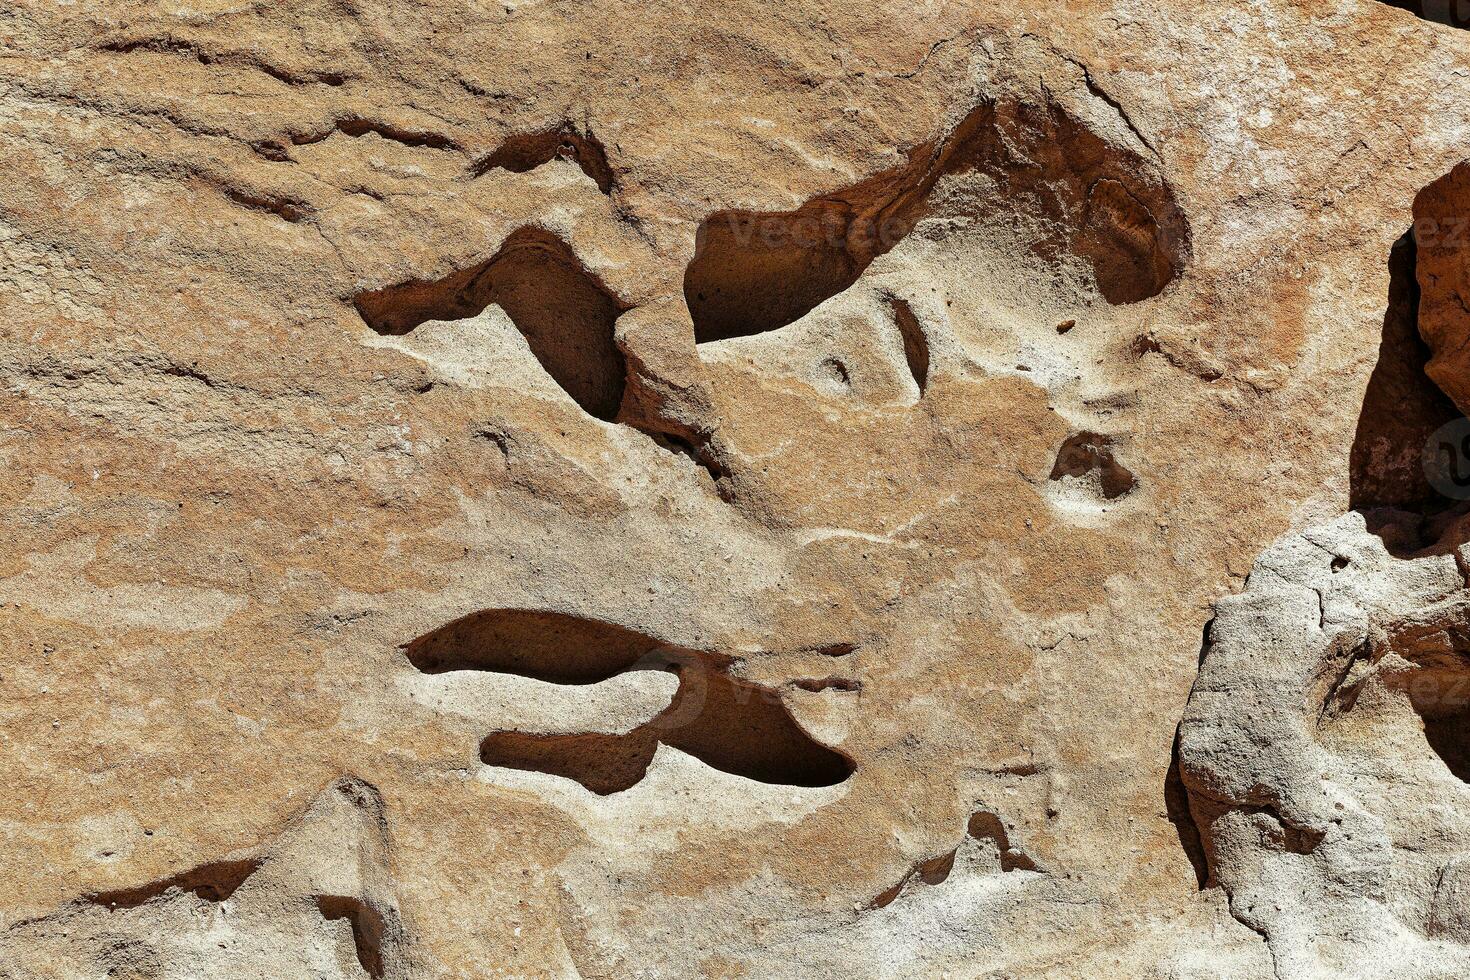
545, 489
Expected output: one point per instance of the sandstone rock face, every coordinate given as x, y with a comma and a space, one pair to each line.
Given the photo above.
1324, 748
712, 490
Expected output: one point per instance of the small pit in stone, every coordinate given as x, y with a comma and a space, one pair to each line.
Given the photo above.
1089, 456
833, 369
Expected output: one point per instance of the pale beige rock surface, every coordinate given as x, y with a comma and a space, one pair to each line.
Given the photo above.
605, 490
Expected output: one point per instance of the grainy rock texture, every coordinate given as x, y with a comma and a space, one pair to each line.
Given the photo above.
1324, 748
583, 489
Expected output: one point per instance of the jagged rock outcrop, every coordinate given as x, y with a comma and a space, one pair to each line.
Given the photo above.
1324, 752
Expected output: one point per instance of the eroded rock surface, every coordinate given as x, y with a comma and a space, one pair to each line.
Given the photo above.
317, 901
1324, 751
548, 489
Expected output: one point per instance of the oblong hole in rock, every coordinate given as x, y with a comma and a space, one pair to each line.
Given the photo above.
546, 646
605, 764
915, 342
745, 729
524, 152
1089, 455
1121, 239
732, 725
985, 825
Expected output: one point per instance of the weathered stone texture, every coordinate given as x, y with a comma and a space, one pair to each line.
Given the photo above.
590, 489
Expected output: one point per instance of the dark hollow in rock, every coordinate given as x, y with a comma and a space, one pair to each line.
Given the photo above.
367, 928
982, 826
834, 368
212, 882
745, 729
527, 151
1449, 737
565, 313
1088, 452
284, 208
1120, 237
702, 455
605, 764
732, 725
915, 342
358, 127
985, 825
547, 646
758, 271
1438, 688
1176, 808
817, 685
1401, 406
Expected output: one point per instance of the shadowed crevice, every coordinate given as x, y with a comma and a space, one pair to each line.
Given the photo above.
524, 152
1449, 737
1176, 807
915, 342
212, 882
1452, 13
732, 725
358, 127
367, 929
565, 313
985, 825
702, 455
1401, 406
